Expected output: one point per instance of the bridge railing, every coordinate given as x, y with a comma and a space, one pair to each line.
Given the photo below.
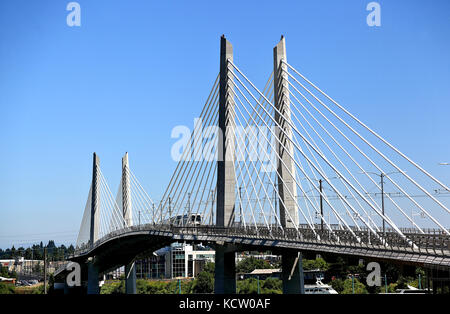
428, 243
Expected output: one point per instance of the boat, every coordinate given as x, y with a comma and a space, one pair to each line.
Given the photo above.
319, 288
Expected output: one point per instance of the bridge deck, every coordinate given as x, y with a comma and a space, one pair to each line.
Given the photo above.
425, 249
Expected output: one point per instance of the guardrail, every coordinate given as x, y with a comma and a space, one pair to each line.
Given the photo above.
435, 243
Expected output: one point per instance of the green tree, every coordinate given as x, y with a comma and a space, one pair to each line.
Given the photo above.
209, 267
360, 288
272, 286
318, 263
247, 286
338, 285
204, 283
6, 288
247, 265
115, 287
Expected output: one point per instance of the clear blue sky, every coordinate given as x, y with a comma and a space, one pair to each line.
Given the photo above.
135, 69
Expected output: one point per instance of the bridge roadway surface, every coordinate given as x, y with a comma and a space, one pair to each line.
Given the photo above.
121, 246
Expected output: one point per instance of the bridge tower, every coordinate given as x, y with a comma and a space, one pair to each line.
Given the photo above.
291, 262
225, 273
130, 269
95, 202
93, 274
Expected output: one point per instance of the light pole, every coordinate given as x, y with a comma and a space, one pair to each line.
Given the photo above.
382, 175
321, 205
170, 211
240, 207
321, 198
421, 214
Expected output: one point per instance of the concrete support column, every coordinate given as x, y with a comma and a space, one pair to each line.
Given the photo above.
130, 269
126, 192
285, 169
95, 202
225, 271
225, 165
93, 282
130, 278
292, 273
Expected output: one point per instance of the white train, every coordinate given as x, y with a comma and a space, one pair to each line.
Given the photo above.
186, 220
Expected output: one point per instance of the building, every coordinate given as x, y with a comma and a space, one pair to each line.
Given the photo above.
180, 260
262, 274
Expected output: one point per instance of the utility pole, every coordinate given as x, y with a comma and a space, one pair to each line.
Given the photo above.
211, 217
188, 220
321, 205
170, 208
382, 175
382, 204
160, 214
45, 270
240, 207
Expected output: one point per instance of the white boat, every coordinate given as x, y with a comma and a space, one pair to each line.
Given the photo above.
319, 288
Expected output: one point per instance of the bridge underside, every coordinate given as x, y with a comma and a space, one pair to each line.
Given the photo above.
122, 249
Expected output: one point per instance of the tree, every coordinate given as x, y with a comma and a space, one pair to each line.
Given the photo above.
360, 288
271, 286
204, 283
338, 285
28, 253
71, 249
6, 288
318, 263
13, 252
4, 271
247, 286
247, 265
209, 267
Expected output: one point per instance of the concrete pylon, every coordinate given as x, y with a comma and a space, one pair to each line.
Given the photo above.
225, 278
225, 166
130, 278
93, 282
130, 269
225, 270
126, 192
93, 287
285, 169
292, 273
95, 203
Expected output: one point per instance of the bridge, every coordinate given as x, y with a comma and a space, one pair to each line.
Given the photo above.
287, 169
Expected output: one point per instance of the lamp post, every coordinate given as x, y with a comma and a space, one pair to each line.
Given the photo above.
321, 198
381, 175
240, 207
421, 214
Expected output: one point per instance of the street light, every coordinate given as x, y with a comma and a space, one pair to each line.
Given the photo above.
321, 197
421, 214
381, 175
444, 163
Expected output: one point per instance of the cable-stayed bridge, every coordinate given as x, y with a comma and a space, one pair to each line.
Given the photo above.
285, 168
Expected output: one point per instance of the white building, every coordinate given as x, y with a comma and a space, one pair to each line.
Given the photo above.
180, 260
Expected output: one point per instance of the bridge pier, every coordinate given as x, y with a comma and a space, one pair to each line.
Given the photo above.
225, 270
93, 282
292, 273
130, 278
